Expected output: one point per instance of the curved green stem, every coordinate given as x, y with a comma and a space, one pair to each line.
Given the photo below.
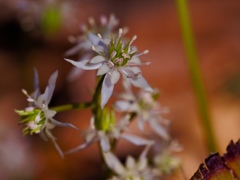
95, 104
71, 106
195, 73
97, 94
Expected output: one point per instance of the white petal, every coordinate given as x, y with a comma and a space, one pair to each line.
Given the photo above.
92, 123
115, 75
130, 162
142, 164
96, 41
49, 134
52, 79
49, 125
140, 82
57, 148
33, 95
126, 83
49, 113
113, 163
79, 148
104, 142
41, 99
122, 105
90, 135
129, 72
36, 79
107, 89
103, 69
50, 88
99, 49
57, 123
84, 64
97, 59
136, 140
37, 118
156, 127
74, 73
81, 45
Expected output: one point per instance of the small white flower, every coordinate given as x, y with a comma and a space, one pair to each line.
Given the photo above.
114, 58
106, 27
38, 118
106, 136
134, 169
147, 109
164, 161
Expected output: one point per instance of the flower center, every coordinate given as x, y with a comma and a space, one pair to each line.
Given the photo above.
120, 54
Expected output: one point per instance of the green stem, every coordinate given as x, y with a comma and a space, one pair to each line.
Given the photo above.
97, 110
95, 104
71, 106
195, 73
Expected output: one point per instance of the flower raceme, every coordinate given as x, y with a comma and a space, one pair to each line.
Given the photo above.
113, 58
37, 117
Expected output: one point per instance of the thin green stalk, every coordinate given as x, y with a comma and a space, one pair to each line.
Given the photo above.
94, 104
195, 73
72, 106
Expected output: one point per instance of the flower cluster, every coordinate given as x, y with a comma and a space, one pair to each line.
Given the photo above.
83, 48
148, 109
113, 58
37, 117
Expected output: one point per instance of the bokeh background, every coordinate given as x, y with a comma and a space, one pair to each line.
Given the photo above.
30, 37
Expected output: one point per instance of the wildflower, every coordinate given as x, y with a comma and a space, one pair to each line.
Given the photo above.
164, 162
114, 57
106, 28
109, 132
147, 108
134, 169
37, 117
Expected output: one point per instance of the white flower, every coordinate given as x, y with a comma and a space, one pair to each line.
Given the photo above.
38, 118
114, 58
147, 109
164, 161
106, 136
133, 169
106, 27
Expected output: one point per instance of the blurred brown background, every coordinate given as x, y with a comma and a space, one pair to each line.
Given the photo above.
23, 46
